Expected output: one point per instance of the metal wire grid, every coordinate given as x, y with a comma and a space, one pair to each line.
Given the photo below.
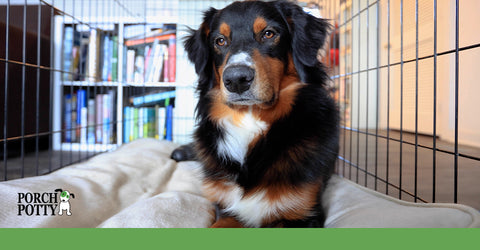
355, 140
31, 151
350, 165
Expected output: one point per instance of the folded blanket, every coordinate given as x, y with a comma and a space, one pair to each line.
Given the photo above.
138, 185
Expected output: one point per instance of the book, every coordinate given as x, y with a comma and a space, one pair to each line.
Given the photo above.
114, 74
107, 58
172, 58
106, 101
81, 122
130, 65
152, 98
73, 121
93, 56
67, 53
126, 124
99, 118
67, 118
169, 123
91, 121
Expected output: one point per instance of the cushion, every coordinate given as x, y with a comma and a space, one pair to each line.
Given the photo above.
138, 185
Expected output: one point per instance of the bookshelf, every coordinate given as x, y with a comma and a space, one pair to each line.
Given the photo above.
100, 83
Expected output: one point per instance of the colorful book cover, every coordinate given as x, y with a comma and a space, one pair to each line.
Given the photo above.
169, 123
91, 122
106, 118
67, 52
99, 118
73, 121
81, 123
172, 58
135, 123
107, 58
114, 76
67, 118
126, 124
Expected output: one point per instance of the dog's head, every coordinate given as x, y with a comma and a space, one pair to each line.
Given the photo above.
247, 51
64, 195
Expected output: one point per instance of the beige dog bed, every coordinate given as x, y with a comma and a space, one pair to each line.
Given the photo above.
139, 186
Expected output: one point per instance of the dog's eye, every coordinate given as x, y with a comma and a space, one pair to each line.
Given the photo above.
221, 41
268, 34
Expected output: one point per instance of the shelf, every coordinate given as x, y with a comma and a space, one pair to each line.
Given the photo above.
115, 84
75, 146
151, 84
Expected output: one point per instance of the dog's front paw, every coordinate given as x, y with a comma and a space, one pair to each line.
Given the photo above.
184, 153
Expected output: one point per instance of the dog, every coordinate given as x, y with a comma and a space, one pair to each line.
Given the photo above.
267, 132
64, 201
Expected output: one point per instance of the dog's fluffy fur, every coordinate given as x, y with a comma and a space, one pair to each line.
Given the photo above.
267, 130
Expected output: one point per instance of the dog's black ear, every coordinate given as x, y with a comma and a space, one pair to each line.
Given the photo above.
58, 190
73, 196
308, 35
198, 50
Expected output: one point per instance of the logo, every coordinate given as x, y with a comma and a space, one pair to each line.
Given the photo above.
45, 204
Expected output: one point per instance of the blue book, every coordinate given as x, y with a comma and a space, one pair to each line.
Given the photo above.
67, 118
168, 123
81, 122
67, 53
126, 124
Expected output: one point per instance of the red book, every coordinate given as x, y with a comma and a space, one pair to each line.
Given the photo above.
172, 58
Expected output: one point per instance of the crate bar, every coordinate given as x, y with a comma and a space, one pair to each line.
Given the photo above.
401, 100
22, 129
345, 95
434, 156
455, 183
387, 174
5, 111
416, 103
37, 118
368, 91
351, 90
50, 109
378, 93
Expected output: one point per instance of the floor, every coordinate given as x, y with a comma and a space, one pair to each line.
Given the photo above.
370, 152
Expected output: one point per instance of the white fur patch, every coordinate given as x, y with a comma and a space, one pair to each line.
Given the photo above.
241, 58
255, 208
236, 139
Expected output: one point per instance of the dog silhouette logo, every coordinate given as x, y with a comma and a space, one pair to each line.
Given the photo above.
64, 201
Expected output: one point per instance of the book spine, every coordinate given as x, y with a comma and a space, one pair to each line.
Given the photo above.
126, 123
106, 58
99, 118
81, 113
115, 59
106, 119
172, 58
73, 121
93, 55
67, 53
91, 122
140, 122
131, 124
161, 122
169, 123
135, 123
151, 122
130, 65
67, 118
166, 66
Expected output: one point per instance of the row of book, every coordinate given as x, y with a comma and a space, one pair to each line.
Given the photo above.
148, 122
151, 59
89, 120
89, 56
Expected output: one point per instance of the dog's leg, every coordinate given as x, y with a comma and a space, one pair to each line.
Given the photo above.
184, 153
227, 222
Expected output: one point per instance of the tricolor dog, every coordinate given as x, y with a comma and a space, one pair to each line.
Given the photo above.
267, 132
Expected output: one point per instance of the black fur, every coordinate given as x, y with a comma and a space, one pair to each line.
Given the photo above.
313, 120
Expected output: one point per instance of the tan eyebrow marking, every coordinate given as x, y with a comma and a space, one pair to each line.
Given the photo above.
259, 24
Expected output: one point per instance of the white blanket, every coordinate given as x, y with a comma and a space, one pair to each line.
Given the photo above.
139, 186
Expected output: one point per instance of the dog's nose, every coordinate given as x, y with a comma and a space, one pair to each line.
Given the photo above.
238, 79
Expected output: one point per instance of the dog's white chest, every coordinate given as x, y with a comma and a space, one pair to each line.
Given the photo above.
237, 137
